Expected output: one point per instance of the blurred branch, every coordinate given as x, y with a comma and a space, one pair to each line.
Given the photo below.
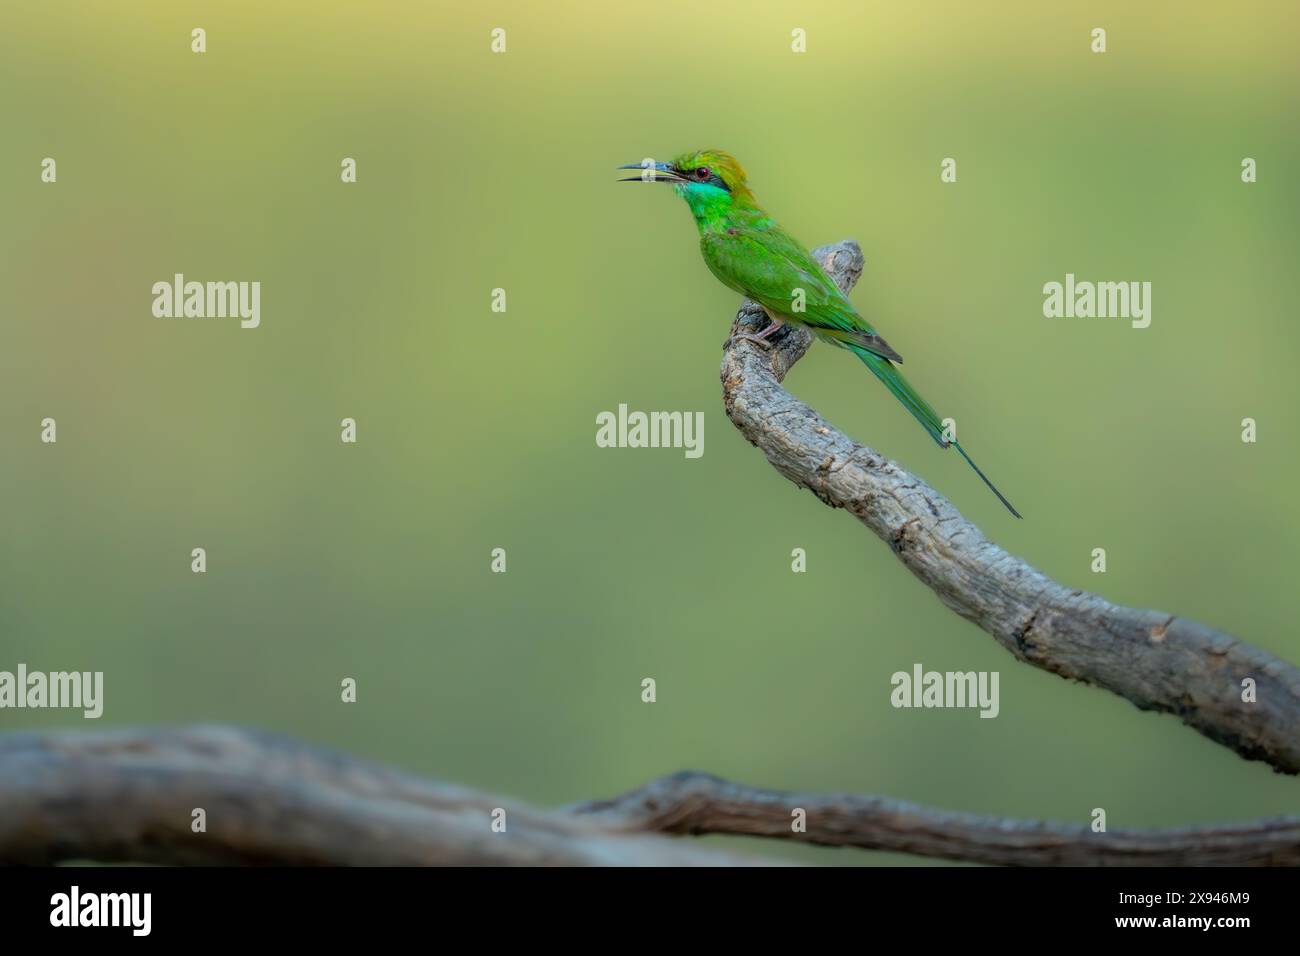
696, 803
130, 795
1155, 660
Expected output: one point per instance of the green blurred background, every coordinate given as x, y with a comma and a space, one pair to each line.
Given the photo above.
476, 429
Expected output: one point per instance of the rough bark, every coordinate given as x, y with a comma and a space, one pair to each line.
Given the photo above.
1155, 660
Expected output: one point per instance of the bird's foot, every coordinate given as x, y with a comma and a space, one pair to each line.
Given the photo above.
761, 338
750, 337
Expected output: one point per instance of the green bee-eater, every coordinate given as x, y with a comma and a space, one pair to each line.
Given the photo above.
751, 254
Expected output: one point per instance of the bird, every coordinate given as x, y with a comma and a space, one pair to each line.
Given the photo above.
751, 254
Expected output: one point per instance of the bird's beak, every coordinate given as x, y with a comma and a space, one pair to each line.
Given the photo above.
652, 172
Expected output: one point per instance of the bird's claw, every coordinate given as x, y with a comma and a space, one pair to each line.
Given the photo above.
751, 337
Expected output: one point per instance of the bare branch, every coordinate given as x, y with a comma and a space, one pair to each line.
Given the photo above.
697, 803
130, 795
1157, 661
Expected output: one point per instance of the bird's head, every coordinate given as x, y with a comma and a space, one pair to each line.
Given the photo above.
700, 174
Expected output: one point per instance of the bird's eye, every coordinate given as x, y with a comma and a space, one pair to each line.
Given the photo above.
702, 172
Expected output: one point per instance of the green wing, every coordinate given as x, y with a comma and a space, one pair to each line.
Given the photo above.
762, 261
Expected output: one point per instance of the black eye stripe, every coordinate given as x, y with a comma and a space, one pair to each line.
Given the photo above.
706, 174
703, 174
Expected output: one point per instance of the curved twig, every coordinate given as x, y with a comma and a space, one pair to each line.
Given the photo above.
697, 803
1157, 661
